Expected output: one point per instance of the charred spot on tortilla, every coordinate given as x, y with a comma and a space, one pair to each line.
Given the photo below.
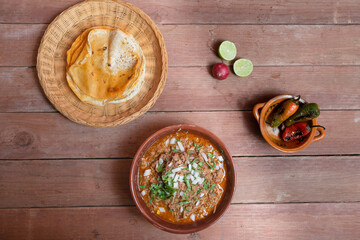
115, 73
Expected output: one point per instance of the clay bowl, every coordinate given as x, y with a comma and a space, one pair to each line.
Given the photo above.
271, 135
175, 227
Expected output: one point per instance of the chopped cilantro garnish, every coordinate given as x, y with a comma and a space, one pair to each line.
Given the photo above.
142, 186
211, 166
197, 147
175, 150
160, 168
211, 155
163, 190
187, 209
196, 159
170, 210
187, 184
206, 184
212, 186
200, 164
184, 202
174, 197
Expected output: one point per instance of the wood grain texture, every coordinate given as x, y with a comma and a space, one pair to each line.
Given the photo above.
205, 93
193, 45
203, 11
50, 135
328, 221
20, 91
66, 183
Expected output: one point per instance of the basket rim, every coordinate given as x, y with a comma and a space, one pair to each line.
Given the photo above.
132, 116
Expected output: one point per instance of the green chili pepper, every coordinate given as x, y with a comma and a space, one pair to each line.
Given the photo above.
305, 113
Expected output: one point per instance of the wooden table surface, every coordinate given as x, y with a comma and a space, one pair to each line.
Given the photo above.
61, 180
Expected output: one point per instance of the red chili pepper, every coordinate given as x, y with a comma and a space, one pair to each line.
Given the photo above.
297, 130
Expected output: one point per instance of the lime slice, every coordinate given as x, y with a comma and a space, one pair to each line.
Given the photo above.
227, 50
243, 67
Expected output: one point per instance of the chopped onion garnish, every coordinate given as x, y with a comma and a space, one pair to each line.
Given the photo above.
201, 180
173, 141
221, 158
217, 167
143, 192
181, 146
192, 177
204, 156
191, 158
161, 161
176, 178
189, 167
194, 165
177, 147
181, 193
172, 175
170, 164
181, 209
175, 170
192, 172
192, 217
147, 172
197, 203
176, 185
194, 182
167, 142
188, 177
161, 209
201, 195
196, 174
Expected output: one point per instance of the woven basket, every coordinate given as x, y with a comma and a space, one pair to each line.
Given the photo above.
62, 32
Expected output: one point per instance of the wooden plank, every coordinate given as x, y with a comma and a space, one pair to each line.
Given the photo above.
205, 93
66, 183
19, 46
192, 45
328, 221
210, 11
20, 91
49, 135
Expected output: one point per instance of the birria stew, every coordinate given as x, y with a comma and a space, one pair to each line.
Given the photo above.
182, 177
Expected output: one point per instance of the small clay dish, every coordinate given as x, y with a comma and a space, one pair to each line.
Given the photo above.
176, 227
272, 135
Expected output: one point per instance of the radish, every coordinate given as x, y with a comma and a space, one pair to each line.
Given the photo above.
220, 71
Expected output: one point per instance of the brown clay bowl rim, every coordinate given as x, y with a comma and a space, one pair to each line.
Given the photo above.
141, 205
262, 126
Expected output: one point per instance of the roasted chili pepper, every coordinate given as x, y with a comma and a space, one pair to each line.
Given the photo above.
296, 131
305, 113
286, 109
